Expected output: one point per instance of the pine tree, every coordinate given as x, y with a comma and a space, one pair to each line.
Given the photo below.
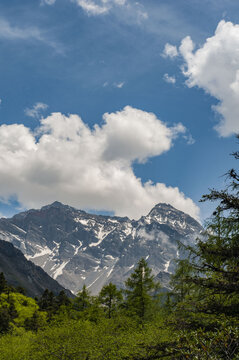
62, 299
110, 297
4, 320
206, 284
48, 303
139, 290
3, 283
83, 299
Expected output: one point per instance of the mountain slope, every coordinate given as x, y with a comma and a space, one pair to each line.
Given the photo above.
75, 247
18, 271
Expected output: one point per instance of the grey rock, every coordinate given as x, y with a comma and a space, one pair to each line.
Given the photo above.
18, 271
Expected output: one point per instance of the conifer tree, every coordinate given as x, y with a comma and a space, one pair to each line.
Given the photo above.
139, 289
211, 273
206, 284
3, 283
5, 319
83, 299
62, 299
110, 297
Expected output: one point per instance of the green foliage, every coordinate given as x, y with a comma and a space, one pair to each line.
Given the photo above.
16, 346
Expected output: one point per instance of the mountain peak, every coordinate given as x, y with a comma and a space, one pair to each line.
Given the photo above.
162, 207
56, 204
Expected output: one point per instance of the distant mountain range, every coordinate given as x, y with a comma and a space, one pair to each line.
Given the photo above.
77, 248
18, 271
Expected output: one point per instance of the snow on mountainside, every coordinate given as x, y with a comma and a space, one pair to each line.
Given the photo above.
75, 247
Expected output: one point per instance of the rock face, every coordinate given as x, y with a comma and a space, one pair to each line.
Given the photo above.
75, 247
18, 271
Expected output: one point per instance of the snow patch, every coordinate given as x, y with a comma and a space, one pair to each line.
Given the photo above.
110, 257
59, 271
110, 271
44, 251
82, 221
113, 221
101, 235
128, 229
167, 266
18, 228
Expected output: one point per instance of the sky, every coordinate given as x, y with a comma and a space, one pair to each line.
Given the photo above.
113, 106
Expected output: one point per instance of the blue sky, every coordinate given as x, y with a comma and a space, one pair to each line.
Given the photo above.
172, 109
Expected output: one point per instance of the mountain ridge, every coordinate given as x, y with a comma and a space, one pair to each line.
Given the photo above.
18, 271
76, 247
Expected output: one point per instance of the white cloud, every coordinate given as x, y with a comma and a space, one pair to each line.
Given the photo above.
88, 168
169, 79
36, 110
0, 101
214, 67
127, 10
119, 85
190, 140
13, 32
99, 7
7, 31
47, 2
170, 51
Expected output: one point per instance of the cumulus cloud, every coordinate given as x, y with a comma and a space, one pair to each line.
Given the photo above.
146, 236
65, 160
36, 110
170, 51
214, 67
169, 79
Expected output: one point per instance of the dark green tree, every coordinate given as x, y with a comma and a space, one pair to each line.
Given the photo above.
206, 283
62, 299
48, 303
5, 320
110, 297
3, 283
211, 271
12, 310
140, 290
83, 299
34, 323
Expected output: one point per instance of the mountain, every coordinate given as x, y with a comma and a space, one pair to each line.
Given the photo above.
75, 247
18, 271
